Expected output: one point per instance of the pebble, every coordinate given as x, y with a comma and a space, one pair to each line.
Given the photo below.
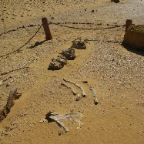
42, 121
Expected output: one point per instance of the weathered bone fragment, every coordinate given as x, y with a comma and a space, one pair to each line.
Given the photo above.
53, 116
13, 95
69, 53
116, 1
94, 95
55, 65
78, 97
79, 44
83, 92
62, 59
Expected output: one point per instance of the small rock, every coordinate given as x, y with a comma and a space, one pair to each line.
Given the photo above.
78, 97
116, 1
69, 53
62, 59
42, 121
11, 81
52, 18
85, 81
79, 44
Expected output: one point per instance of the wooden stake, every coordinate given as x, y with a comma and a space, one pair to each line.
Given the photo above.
46, 28
128, 23
94, 95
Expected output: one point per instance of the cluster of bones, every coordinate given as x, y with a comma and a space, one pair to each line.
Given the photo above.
68, 54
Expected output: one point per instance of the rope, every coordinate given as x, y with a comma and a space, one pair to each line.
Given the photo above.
23, 44
21, 27
59, 24
108, 41
63, 25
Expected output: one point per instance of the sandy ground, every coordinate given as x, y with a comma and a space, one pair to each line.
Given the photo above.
116, 72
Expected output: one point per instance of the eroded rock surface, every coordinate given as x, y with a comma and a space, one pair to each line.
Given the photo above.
69, 53
57, 63
79, 44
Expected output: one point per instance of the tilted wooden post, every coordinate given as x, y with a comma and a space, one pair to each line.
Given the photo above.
46, 28
128, 23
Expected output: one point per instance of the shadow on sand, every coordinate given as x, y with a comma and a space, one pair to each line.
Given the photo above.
37, 44
138, 51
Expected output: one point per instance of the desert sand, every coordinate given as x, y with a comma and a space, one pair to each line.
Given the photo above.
117, 73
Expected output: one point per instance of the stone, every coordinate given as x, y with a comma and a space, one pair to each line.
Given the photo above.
13, 95
79, 44
42, 121
69, 53
116, 1
54, 65
57, 63
62, 59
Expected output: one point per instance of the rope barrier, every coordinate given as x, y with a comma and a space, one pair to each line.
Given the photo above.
58, 24
62, 25
21, 27
24, 44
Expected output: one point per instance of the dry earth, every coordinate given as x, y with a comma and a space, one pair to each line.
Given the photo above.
116, 73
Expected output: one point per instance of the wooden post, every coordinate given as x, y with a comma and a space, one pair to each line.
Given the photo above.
128, 23
46, 28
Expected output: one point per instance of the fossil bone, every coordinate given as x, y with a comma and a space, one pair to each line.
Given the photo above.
78, 97
16, 69
94, 95
83, 92
53, 116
